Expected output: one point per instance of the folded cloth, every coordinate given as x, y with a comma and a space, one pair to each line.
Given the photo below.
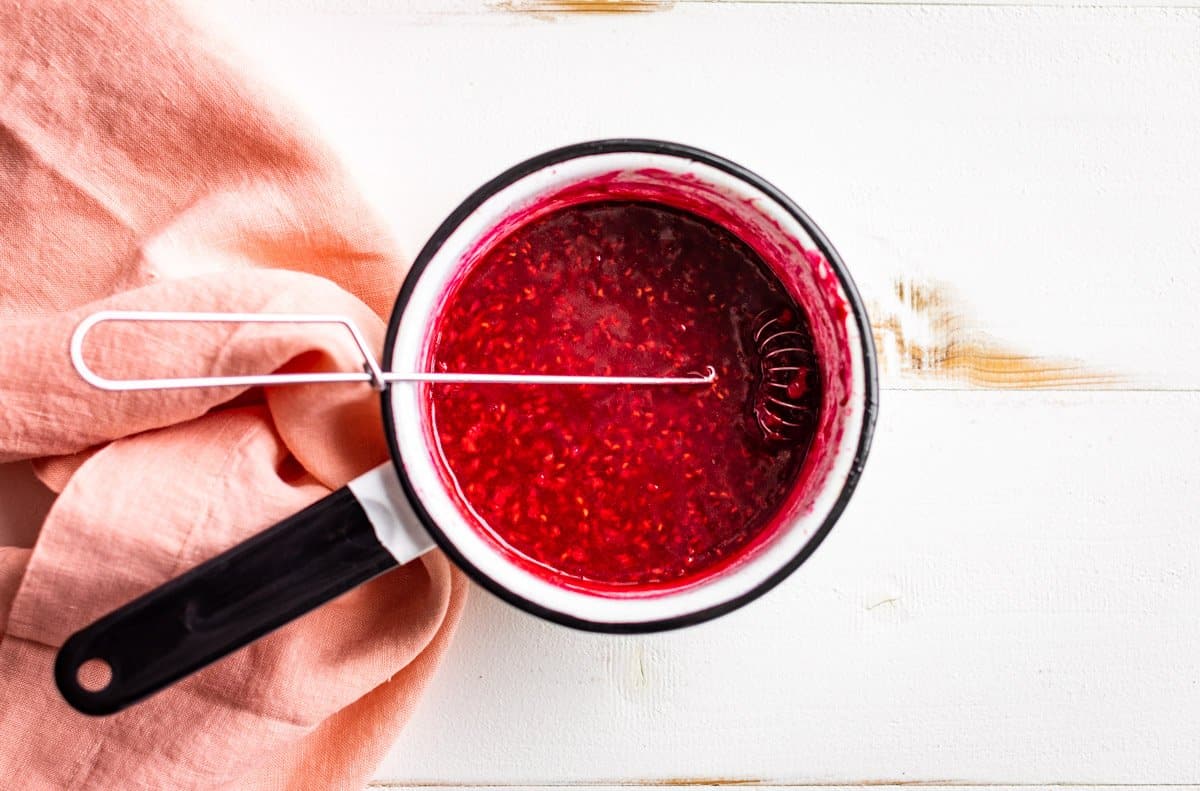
138, 170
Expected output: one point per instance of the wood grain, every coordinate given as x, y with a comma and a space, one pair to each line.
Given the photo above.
923, 336
582, 6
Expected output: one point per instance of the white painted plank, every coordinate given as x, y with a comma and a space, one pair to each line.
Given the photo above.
1010, 598
757, 787
551, 10
1042, 161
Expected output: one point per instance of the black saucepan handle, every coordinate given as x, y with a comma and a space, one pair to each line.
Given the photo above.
224, 603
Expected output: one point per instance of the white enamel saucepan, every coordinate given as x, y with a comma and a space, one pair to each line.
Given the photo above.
398, 511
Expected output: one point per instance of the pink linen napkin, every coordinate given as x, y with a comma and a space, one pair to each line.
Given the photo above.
139, 170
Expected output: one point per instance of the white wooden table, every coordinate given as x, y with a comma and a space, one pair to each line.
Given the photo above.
1012, 595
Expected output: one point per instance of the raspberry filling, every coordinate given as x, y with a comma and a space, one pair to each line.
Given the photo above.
607, 487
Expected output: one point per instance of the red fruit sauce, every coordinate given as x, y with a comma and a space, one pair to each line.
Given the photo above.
616, 487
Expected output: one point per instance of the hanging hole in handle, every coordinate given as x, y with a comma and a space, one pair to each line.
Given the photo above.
94, 675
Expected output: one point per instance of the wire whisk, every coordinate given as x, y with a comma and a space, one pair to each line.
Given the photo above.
785, 408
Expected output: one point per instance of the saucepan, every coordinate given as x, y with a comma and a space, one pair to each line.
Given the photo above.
394, 513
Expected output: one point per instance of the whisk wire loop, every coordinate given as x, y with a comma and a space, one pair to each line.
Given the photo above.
371, 372
785, 359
